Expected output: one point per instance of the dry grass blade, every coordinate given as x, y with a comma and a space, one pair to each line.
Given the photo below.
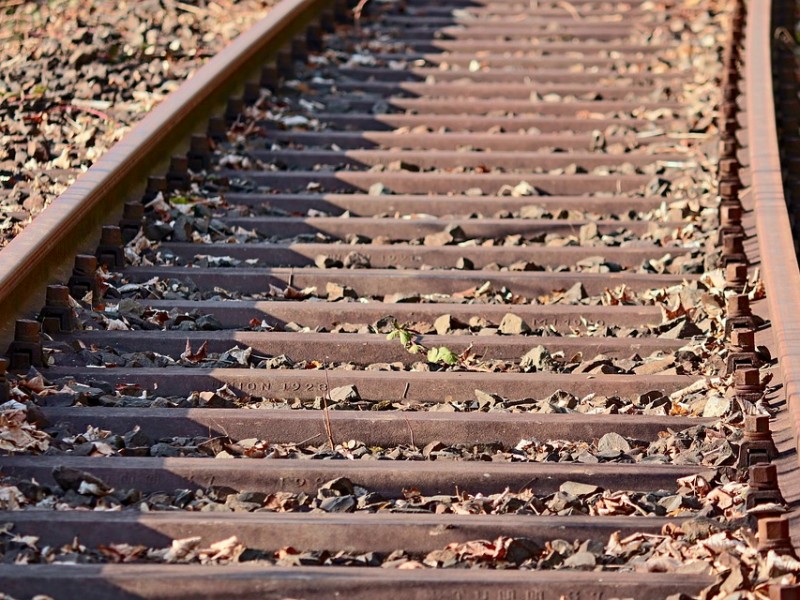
357, 12
325, 399
570, 9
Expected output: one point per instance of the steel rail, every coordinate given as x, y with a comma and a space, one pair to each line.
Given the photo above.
781, 273
152, 473
72, 224
129, 582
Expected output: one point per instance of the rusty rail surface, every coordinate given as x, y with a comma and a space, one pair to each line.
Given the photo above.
399, 215
43, 252
781, 272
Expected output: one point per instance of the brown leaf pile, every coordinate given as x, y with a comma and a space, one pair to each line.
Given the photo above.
77, 73
17, 434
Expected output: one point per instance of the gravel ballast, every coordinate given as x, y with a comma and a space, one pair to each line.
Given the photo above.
76, 75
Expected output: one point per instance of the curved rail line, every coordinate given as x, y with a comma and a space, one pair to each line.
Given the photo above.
419, 202
43, 253
781, 272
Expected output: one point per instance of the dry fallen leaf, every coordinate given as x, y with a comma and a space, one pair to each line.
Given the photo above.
17, 435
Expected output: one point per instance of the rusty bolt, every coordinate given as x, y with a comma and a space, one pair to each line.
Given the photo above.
269, 77
727, 148
756, 451
131, 221
26, 330
738, 305
758, 440
747, 388
737, 25
729, 123
762, 486
111, 235
284, 63
251, 92
736, 276
178, 164
26, 349
217, 129
109, 250
743, 340
739, 315
748, 380
773, 534
730, 76
133, 211
199, 144
83, 279
729, 191
57, 315
57, 296
199, 155
730, 93
742, 354
730, 215
733, 248
155, 185
234, 109
728, 137
733, 244
85, 264
756, 428
729, 169
178, 173
731, 52
763, 477
729, 127
299, 48
729, 110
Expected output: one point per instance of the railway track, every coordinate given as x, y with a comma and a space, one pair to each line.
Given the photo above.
471, 290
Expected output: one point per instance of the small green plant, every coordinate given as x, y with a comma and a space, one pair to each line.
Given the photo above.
443, 354
406, 337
